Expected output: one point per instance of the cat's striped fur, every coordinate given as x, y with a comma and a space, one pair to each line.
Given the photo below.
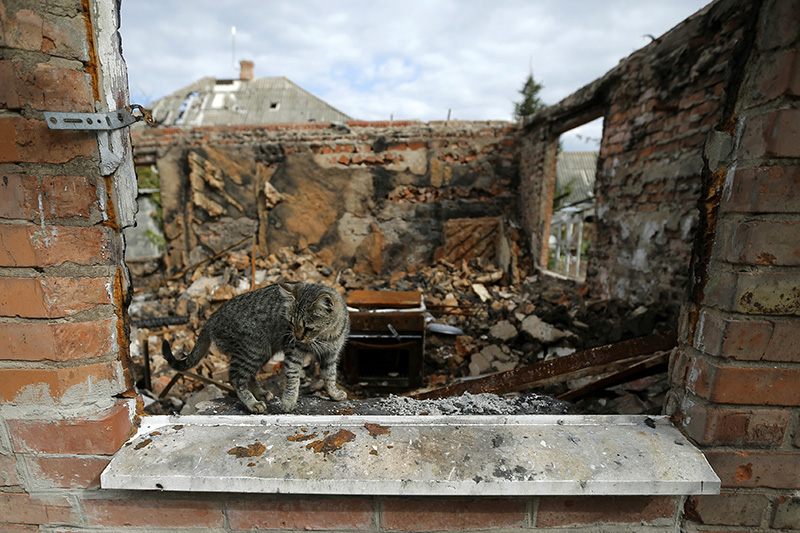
293, 318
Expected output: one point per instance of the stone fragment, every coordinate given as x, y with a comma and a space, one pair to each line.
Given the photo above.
503, 330
541, 330
480, 364
481, 292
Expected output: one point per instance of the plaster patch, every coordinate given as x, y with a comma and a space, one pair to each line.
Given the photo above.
41, 210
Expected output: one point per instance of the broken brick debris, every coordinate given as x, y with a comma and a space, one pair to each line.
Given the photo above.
510, 326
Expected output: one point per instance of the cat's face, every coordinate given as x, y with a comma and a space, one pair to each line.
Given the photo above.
310, 315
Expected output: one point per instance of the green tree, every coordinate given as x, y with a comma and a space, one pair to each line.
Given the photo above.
531, 103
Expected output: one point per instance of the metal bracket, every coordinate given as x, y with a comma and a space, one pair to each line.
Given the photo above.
113, 120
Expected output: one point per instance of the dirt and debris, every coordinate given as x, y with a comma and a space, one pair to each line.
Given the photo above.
478, 323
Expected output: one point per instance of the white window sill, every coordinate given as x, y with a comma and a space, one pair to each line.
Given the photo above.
419, 455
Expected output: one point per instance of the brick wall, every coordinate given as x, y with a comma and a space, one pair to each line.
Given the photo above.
65, 403
736, 375
65, 387
370, 189
658, 106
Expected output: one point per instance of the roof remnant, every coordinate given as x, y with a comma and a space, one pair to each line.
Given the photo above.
575, 174
248, 100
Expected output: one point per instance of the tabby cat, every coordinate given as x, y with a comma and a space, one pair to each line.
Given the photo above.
293, 318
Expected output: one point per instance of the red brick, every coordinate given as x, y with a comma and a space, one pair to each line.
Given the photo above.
66, 472
587, 510
768, 243
16, 528
737, 385
778, 470
24, 30
724, 426
763, 190
450, 514
728, 509
34, 142
153, 513
35, 89
68, 196
51, 297
8, 471
59, 197
9, 91
778, 75
31, 246
787, 513
773, 134
102, 434
748, 340
24, 509
300, 513
756, 293
56, 342
744, 340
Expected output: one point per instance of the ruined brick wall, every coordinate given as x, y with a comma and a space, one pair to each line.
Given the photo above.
66, 393
658, 105
371, 195
736, 375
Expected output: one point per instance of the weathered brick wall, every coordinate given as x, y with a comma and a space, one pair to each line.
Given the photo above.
372, 189
736, 375
658, 105
65, 388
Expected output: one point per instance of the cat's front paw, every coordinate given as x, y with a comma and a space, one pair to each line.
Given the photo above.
337, 395
265, 395
257, 407
288, 403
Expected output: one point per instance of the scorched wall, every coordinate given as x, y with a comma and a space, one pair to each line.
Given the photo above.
373, 196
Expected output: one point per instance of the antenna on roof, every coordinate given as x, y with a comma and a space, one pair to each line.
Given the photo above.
233, 46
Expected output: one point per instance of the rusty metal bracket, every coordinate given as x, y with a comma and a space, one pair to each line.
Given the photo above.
113, 120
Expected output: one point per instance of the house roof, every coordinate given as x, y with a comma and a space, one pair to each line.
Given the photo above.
213, 102
576, 171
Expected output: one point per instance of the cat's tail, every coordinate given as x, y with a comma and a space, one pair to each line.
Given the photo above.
198, 352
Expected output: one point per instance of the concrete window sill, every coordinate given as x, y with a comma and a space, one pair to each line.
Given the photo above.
419, 455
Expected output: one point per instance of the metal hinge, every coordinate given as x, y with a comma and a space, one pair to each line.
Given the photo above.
113, 120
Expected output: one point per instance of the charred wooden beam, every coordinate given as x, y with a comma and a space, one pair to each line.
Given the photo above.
505, 381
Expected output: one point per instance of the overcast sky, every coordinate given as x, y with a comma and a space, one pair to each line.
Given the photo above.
414, 59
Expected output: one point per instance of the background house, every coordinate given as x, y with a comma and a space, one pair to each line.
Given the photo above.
247, 100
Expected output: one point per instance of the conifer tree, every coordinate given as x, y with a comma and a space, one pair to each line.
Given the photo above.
530, 103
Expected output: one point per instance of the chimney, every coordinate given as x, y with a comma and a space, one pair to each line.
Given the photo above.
246, 72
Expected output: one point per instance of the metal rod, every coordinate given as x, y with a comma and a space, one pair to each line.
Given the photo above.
143, 340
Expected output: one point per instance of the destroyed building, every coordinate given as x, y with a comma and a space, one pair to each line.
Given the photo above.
697, 213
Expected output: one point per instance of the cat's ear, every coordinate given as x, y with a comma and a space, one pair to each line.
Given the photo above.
325, 303
286, 289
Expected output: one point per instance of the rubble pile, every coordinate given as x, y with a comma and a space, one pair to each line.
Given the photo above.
477, 324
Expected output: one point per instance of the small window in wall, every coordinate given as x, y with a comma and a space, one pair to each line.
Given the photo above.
273, 106
572, 220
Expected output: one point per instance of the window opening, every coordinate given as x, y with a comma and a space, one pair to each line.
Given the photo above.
145, 242
192, 99
573, 213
